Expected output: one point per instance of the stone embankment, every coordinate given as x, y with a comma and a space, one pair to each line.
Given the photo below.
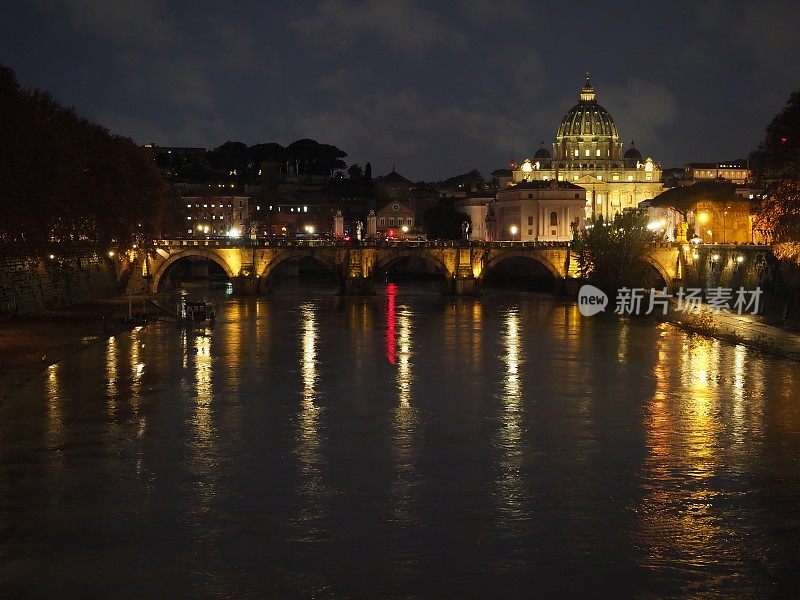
33, 284
749, 330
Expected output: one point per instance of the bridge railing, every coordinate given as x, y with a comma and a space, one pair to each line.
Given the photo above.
286, 243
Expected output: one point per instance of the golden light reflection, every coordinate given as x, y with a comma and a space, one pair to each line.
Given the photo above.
55, 424
404, 319
404, 420
112, 359
137, 368
678, 512
309, 412
203, 425
511, 482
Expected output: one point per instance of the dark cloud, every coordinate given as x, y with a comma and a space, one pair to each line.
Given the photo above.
435, 88
407, 28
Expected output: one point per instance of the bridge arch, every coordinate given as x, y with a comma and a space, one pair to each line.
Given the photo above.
327, 260
661, 270
164, 268
383, 260
539, 257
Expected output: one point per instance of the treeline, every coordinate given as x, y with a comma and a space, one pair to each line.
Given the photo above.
236, 161
66, 180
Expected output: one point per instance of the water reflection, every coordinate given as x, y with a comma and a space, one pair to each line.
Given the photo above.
308, 449
112, 360
511, 487
680, 514
405, 416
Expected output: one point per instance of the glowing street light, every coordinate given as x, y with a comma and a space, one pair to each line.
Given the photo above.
702, 217
513, 232
110, 254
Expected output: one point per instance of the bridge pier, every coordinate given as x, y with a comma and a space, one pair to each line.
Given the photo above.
244, 285
356, 286
466, 286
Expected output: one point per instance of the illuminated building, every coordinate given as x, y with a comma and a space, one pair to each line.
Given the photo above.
587, 152
735, 171
217, 216
395, 220
539, 211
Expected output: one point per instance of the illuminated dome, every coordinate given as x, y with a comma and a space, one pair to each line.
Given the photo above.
587, 118
588, 131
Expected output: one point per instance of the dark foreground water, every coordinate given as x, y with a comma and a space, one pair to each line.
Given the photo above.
398, 446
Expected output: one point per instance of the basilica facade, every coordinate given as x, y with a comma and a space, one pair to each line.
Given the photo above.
587, 152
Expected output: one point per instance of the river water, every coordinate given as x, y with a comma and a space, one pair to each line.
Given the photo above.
404, 445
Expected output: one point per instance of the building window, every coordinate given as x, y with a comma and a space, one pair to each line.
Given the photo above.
391, 221
530, 231
577, 152
383, 221
577, 195
597, 152
561, 178
630, 177
530, 220
615, 177
587, 152
409, 221
600, 177
530, 195
554, 219
648, 177
574, 178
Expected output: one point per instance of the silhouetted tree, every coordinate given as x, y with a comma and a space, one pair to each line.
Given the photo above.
444, 222
778, 155
355, 172
66, 180
611, 252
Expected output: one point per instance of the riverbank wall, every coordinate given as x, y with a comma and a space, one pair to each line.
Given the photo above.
32, 284
749, 267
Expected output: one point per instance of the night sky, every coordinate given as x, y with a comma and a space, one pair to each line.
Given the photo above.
435, 91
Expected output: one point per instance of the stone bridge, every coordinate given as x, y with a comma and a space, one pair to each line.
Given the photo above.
464, 265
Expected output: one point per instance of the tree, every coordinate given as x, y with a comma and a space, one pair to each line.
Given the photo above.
610, 253
444, 222
355, 172
778, 155
66, 180
368, 174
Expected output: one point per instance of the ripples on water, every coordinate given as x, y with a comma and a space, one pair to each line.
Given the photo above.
404, 445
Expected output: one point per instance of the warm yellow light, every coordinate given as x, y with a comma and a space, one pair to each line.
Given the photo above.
526, 166
715, 257
695, 255
52, 256
513, 230
199, 228
740, 259
405, 228
111, 254
702, 217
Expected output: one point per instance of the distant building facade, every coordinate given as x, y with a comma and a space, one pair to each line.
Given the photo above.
396, 220
587, 152
735, 171
544, 211
217, 216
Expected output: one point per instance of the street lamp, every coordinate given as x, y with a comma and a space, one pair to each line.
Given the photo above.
513, 232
